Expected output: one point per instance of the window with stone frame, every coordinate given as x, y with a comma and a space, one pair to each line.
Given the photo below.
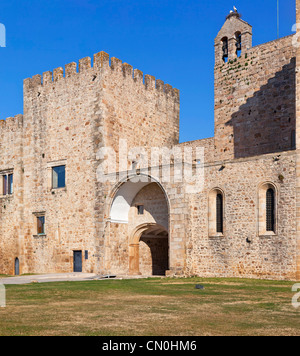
267, 209
10, 182
41, 225
140, 209
56, 174
58, 177
216, 226
270, 210
7, 183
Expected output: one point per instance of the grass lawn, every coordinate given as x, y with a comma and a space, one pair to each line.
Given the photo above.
151, 307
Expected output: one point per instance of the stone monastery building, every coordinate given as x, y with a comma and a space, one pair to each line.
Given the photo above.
56, 216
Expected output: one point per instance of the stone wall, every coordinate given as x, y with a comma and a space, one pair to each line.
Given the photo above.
11, 206
60, 120
242, 251
140, 109
155, 205
208, 144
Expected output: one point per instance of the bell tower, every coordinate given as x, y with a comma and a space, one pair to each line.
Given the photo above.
232, 45
234, 38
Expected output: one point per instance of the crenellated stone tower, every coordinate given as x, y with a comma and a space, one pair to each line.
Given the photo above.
69, 115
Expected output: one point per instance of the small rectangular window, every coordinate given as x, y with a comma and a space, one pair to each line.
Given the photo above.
7, 183
140, 209
58, 177
41, 225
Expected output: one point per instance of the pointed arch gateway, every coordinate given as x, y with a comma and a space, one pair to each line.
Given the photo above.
144, 208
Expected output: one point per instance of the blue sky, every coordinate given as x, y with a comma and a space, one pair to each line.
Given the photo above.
172, 40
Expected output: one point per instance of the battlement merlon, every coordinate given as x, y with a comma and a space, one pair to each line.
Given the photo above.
101, 62
12, 122
12, 126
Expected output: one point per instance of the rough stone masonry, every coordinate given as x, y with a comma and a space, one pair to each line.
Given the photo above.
56, 216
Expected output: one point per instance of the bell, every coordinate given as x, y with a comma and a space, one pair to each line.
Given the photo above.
238, 46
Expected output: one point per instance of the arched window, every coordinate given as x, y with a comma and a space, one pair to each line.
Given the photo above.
293, 139
216, 212
225, 49
267, 209
270, 210
17, 267
219, 213
238, 38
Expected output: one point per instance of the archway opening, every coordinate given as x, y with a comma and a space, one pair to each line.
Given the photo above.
139, 230
17, 267
154, 252
149, 251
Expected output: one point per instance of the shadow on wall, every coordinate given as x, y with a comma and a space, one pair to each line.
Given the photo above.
267, 122
158, 250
